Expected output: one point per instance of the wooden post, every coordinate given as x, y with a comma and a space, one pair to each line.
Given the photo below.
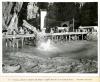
75, 37
13, 43
69, 37
22, 42
86, 37
52, 38
10, 43
62, 38
55, 38
66, 38
58, 37
82, 36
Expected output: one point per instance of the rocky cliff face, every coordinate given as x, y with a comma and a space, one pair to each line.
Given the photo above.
8, 9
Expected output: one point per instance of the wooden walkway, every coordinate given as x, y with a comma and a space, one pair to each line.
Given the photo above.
66, 33
19, 36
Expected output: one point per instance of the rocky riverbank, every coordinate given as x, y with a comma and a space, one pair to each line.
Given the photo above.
23, 62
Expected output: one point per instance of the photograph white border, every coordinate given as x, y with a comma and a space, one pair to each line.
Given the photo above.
48, 74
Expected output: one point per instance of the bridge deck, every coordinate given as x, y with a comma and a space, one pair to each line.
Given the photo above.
66, 33
47, 34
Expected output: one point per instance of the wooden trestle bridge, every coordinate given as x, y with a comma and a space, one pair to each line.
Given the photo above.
67, 36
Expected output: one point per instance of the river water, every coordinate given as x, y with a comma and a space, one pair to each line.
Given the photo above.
66, 50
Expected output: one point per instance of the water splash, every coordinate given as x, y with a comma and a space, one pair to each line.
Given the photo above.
46, 46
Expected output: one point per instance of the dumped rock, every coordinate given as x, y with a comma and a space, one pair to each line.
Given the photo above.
11, 68
29, 63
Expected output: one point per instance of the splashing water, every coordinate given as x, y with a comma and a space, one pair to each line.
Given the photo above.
46, 46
